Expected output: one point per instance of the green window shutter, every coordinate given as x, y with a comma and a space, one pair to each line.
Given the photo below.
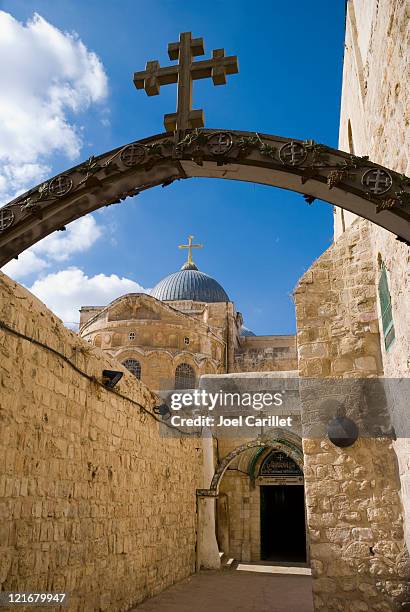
386, 309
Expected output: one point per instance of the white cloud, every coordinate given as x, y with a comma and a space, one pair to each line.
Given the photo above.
64, 292
78, 237
59, 246
27, 263
46, 77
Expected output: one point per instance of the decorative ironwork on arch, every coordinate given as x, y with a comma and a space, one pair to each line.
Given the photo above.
314, 170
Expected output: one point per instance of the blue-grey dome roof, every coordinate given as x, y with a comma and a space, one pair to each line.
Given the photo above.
189, 284
244, 331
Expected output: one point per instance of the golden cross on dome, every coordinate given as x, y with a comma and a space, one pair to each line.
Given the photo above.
190, 246
184, 73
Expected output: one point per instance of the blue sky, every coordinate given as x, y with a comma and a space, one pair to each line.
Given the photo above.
258, 240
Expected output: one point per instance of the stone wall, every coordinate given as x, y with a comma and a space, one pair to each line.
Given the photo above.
375, 115
376, 106
94, 501
266, 354
243, 507
354, 511
336, 310
375, 119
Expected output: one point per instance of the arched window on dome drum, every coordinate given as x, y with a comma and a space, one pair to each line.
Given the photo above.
184, 377
134, 366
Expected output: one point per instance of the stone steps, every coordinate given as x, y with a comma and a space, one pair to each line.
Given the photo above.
227, 562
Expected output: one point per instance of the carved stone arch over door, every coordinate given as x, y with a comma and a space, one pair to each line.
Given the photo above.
285, 441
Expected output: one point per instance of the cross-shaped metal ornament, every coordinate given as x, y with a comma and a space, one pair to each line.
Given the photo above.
377, 181
190, 246
184, 73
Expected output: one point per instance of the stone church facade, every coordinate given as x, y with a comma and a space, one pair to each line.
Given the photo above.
186, 324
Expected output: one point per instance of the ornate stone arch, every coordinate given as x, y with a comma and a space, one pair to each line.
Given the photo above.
160, 352
262, 454
186, 357
209, 366
129, 352
276, 439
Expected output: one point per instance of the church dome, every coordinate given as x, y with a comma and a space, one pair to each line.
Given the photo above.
244, 331
189, 284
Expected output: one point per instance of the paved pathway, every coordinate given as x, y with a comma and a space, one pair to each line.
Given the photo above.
234, 591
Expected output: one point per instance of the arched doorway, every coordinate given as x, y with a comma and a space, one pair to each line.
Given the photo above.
260, 510
282, 509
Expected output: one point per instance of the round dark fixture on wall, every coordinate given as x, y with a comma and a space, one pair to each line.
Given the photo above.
163, 410
342, 431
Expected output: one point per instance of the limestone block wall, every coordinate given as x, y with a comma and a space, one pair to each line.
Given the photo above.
336, 310
375, 119
387, 109
93, 500
243, 504
266, 354
375, 115
354, 511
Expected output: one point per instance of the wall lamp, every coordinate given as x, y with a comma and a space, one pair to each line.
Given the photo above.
163, 411
110, 378
342, 431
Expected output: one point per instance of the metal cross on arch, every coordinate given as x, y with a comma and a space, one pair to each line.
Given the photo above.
184, 73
